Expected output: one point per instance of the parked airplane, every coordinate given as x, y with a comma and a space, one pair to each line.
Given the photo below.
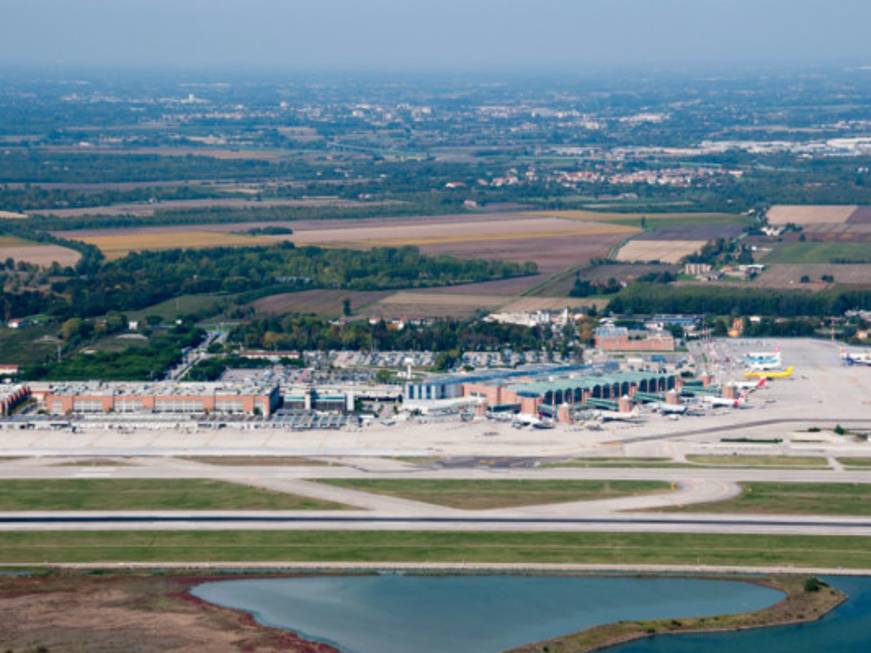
856, 357
616, 416
764, 358
765, 366
750, 386
669, 409
766, 374
723, 402
521, 420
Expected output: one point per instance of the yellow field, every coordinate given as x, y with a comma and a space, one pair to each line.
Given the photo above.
664, 251
433, 233
119, 245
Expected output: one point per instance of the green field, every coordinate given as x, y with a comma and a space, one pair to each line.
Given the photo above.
617, 462
147, 494
794, 499
21, 346
206, 304
434, 546
862, 463
484, 495
827, 252
760, 461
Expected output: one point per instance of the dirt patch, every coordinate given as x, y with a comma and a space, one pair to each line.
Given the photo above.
42, 255
810, 214
79, 613
664, 251
420, 305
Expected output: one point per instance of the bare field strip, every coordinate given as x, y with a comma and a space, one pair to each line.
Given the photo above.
664, 251
529, 304
211, 152
326, 302
420, 305
42, 255
503, 287
433, 233
119, 245
551, 254
847, 232
596, 216
810, 214
11, 215
141, 209
786, 275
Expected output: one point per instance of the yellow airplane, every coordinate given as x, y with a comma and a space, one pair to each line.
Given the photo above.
769, 374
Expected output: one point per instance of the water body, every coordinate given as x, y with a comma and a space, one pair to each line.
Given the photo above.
845, 630
469, 614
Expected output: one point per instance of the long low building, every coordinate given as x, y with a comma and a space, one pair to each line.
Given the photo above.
529, 395
161, 397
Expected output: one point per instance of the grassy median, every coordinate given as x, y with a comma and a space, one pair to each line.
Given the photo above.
815, 462
844, 499
434, 546
489, 494
147, 494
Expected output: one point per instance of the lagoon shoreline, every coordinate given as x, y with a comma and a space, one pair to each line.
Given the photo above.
163, 597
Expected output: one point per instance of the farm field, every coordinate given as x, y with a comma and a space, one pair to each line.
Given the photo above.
503, 287
529, 304
848, 231
434, 232
785, 275
326, 302
208, 303
421, 305
143, 209
122, 242
654, 220
664, 251
11, 215
810, 214
26, 346
826, 252
30, 252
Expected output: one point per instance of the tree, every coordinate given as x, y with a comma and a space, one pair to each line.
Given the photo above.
346, 307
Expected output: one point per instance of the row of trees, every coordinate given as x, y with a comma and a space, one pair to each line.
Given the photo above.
646, 298
295, 332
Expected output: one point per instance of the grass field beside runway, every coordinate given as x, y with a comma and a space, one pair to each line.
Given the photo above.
815, 462
841, 499
435, 546
147, 494
488, 494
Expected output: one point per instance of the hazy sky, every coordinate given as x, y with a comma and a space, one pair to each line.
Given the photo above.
471, 35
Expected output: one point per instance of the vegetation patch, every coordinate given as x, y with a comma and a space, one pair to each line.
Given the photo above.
852, 499
486, 495
147, 494
759, 461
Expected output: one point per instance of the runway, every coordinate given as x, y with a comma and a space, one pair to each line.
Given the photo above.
503, 522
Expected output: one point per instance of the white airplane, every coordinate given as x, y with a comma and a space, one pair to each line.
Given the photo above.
614, 416
750, 386
722, 402
764, 366
670, 409
856, 357
521, 420
764, 358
